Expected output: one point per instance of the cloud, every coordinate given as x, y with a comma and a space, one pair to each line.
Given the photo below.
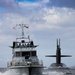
28, 4
52, 18
42, 19
22, 7
62, 3
9, 5
59, 16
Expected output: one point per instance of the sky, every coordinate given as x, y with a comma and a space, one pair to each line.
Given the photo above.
48, 20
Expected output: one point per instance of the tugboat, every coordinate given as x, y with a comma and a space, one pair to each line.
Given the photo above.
25, 60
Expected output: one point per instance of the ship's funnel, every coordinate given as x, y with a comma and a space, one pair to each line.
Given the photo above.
58, 54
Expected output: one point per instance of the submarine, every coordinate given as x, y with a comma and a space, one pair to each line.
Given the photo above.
24, 57
58, 68
58, 56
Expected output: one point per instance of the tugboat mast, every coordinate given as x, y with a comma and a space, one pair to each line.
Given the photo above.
22, 27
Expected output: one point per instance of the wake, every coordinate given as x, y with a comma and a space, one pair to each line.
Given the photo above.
44, 73
55, 73
11, 73
49, 73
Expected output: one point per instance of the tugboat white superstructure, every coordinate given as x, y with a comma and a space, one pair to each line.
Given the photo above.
25, 57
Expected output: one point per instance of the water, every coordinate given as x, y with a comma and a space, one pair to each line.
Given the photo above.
45, 72
59, 72
11, 73
54, 73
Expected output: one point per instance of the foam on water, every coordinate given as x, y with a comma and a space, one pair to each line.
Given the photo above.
6, 73
45, 73
9, 73
55, 73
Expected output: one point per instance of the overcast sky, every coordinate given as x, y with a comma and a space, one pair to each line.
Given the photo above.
48, 20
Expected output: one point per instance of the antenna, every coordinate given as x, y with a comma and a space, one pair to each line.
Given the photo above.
59, 42
22, 27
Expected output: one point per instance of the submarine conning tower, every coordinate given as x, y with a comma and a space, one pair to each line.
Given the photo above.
58, 56
58, 53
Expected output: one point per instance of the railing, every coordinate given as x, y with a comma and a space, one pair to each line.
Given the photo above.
24, 49
28, 63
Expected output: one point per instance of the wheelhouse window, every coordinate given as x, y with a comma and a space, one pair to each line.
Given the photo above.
26, 53
17, 54
33, 53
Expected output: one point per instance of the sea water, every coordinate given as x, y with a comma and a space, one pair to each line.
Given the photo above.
44, 73
9, 73
59, 72
51, 73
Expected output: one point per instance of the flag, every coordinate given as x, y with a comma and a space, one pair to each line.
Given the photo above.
15, 27
20, 26
26, 26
